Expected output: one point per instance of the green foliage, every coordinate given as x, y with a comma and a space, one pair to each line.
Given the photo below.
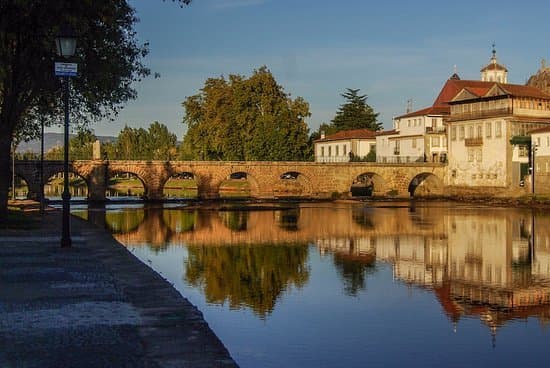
155, 143
109, 59
242, 118
80, 146
355, 113
371, 156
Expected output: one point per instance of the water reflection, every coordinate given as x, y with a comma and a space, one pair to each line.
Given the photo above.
486, 263
247, 275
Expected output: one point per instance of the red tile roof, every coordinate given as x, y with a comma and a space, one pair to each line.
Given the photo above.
349, 134
387, 132
524, 91
453, 86
432, 110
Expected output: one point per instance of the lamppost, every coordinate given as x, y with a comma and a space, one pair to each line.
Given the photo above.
66, 45
41, 194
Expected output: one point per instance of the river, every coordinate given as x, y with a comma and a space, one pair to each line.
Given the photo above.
354, 284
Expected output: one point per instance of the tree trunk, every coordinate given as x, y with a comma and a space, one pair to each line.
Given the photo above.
5, 173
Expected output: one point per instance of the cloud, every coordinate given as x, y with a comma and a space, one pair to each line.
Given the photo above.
226, 4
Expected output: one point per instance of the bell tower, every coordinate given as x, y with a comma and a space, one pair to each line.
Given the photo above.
494, 72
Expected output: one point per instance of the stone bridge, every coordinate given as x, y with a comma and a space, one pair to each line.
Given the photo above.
265, 179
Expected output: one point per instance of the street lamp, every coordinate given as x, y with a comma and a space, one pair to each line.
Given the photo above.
66, 45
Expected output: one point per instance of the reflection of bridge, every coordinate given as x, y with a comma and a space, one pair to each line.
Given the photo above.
304, 224
266, 179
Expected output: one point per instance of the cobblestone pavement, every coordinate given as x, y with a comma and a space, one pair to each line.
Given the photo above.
93, 305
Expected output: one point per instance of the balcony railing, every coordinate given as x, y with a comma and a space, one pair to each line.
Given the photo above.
473, 142
480, 114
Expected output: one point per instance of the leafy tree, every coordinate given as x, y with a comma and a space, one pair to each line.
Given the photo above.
81, 145
242, 118
355, 113
109, 60
156, 143
161, 142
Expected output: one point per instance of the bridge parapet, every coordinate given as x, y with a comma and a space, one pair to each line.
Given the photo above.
267, 179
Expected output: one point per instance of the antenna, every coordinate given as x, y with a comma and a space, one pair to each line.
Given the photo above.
409, 105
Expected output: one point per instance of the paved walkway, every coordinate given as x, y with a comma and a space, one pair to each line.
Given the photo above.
93, 305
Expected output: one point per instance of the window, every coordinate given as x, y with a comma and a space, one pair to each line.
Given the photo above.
471, 131
322, 151
409, 123
461, 133
345, 149
479, 131
453, 133
488, 130
478, 155
329, 151
538, 141
435, 141
498, 129
547, 141
414, 143
337, 151
471, 155
522, 151
434, 122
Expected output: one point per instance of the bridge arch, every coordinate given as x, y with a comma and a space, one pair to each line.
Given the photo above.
425, 185
292, 184
138, 174
237, 183
78, 183
368, 184
180, 184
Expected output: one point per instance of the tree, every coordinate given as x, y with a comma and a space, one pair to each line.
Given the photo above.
162, 143
81, 145
355, 113
156, 143
241, 118
109, 59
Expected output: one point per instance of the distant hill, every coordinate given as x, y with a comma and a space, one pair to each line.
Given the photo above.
52, 140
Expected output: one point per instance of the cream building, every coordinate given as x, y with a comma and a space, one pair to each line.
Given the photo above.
540, 141
345, 145
416, 137
482, 122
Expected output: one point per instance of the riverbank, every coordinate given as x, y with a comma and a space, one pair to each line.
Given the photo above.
92, 305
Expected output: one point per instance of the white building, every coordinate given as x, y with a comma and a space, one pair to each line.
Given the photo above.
482, 123
540, 142
345, 145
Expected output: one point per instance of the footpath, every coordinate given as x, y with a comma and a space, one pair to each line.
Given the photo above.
93, 305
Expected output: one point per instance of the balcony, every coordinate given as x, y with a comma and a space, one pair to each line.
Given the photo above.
436, 130
469, 142
480, 114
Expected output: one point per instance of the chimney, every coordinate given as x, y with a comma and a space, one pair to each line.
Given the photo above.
322, 134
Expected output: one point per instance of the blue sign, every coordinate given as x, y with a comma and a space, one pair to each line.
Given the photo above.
66, 69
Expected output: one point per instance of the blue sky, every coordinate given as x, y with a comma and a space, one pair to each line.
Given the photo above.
391, 50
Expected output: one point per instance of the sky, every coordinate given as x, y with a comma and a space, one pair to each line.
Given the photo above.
392, 51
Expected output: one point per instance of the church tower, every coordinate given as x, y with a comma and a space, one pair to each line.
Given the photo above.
494, 72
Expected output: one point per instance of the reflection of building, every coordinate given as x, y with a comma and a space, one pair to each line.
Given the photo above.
490, 267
